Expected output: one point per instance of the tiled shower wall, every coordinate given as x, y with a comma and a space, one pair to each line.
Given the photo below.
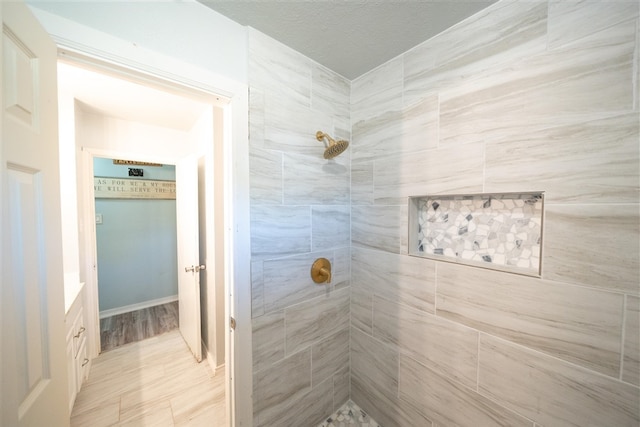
300, 211
533, 96
524, 96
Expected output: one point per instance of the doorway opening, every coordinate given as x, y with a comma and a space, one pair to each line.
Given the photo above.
112, 114
136, 241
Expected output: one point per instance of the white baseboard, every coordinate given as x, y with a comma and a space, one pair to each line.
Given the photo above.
211, 359
138, 306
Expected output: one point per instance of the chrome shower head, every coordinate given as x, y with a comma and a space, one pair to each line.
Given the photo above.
334, 147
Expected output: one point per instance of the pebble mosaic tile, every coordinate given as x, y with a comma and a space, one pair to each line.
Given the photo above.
500, 231
349, 415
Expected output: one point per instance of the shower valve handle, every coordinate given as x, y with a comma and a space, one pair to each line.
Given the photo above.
321, 271
327, 273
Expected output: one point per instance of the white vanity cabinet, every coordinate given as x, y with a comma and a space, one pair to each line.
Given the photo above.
77, 360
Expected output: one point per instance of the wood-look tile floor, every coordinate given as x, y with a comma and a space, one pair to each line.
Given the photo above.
137, 325
154, 382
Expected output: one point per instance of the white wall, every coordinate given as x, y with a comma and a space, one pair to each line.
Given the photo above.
137, 141
69, 197
136, 243
185, 31
99, 132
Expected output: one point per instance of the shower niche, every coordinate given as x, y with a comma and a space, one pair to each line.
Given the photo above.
500, 231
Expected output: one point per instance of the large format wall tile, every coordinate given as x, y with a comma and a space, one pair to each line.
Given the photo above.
256, 118
577, 324
279, 69
373, 364
257, 289
566, 19
341, 387
292, 129
374, 383
594, 76
280, 388
341, 267
414, 128
419, 127
288, 280
330, 356
379, 227
280, 230
268, 339
447, 347
448, 402
330, 227
265, 177
552, 392
631, 351
312, 180
377, 136
362, 183
387, 409
377, 91
595, 245
361, 306
312, 408
330, 92
637, 76
398, 278
316, 319
492, 37
428, 172
595, 161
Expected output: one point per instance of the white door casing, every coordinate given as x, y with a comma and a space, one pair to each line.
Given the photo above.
188, 235
34, 374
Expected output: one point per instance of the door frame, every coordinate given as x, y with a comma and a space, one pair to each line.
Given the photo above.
238, 353
90, 242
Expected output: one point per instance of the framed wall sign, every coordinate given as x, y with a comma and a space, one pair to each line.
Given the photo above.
131, 188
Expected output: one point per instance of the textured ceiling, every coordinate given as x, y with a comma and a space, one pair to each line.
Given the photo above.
349, 37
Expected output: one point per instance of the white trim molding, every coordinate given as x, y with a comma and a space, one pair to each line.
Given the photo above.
138, 306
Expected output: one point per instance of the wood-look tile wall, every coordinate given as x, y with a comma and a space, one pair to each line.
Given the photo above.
300, 211
526, 96
523, 96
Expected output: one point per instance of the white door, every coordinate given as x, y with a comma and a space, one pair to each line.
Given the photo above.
188, 253
34, 373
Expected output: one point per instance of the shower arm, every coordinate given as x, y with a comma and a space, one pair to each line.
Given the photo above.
321, 135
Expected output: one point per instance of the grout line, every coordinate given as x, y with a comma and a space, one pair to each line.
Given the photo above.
311, 367
284, 332
623, 335
636, 65
435, 289
398, 367
438, 120
484, 166
478, 365
541, 354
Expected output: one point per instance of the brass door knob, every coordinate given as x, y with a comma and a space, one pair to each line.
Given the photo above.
321, 271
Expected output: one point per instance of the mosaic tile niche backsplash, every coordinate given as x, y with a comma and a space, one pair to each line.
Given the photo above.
497, 231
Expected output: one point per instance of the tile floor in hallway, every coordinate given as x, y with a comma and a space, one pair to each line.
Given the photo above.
154, 382
349, 415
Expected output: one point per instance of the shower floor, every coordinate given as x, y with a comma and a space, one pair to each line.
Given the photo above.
349, 415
